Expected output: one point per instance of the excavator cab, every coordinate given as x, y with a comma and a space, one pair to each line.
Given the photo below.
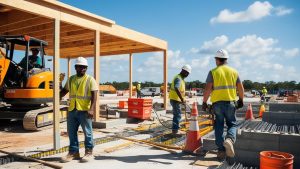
23, 85
26, 90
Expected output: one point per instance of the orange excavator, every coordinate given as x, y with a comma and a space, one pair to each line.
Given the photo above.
26, 92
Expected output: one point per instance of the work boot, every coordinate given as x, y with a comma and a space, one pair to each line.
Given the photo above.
228, 144
88, 156
69, 157
221, 155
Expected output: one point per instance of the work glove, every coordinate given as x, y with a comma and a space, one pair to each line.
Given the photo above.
204, 106
239, 104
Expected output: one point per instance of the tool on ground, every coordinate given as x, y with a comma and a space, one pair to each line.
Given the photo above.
32, 159
168, 124
162, 147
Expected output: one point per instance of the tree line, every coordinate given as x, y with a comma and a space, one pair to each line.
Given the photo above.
271, 86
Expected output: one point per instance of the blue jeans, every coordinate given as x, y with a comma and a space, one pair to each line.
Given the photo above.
76, 118
176, 114
224, 111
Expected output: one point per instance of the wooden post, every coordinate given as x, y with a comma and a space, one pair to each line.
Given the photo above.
56, 102
97, 73
165, 79
130, 75
69, 67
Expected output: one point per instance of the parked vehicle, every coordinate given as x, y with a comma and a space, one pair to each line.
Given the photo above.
150, 91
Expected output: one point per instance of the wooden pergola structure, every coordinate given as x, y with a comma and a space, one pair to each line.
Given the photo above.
72, 32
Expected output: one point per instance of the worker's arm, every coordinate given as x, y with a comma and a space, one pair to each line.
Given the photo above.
63, 92
179, 94
207, 91
93, 103
240, 88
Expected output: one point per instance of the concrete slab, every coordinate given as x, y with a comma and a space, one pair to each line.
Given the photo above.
109, 123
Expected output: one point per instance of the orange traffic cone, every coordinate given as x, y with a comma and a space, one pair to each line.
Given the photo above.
193, 138
249, 113
262, 109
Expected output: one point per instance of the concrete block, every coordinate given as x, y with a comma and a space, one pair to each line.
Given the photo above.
253, 141
109, 123
249, 158
290, 144
285, 107
282, 118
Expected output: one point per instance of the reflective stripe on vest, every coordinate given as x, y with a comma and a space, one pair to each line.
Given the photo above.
80, 96
224, 84
173, 95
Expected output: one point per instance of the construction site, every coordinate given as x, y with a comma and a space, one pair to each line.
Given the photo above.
130, 129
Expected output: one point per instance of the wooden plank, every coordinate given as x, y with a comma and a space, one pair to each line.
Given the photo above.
56, 72
49, 164
130, 75
97, 72
31, 22
165, 78
73, 17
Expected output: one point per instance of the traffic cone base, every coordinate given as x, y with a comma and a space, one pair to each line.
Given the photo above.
193, 138
262, 109
249, 113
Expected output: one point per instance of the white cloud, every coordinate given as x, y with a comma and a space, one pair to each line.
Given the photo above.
281, 10
255, 11
291, 52
255, 57
115, 58
216, 43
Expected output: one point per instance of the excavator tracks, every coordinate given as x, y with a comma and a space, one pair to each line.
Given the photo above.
38, 118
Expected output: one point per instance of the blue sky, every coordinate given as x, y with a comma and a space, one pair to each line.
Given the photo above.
262, 37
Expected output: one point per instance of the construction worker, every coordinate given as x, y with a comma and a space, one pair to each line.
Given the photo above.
83, 96
264, 92
222, 83
177, 96
34, 61
138, 90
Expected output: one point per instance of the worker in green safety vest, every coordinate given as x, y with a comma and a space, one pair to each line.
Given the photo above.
222, 83
138, 90
177, 96
83, 97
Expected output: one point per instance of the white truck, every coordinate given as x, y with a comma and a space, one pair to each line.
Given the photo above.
150, 91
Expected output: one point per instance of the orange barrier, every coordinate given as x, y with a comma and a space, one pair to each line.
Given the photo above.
193, 138
262, 109
123, 104
249, 113
276, 160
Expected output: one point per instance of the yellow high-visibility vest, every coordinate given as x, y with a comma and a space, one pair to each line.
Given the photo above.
173, 95
80, 94
224, 86
264, 91
138, 87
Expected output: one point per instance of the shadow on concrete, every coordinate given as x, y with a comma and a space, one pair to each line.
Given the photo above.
149, 158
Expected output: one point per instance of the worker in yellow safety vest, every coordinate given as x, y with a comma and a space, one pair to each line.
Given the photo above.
138, 90
177, 96
83, 97
221, 85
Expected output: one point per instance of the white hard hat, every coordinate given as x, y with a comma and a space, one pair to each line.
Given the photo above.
81, 61
222, 53
187, 68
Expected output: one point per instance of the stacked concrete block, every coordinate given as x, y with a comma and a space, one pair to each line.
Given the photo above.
250, 144
282, 118
287, 107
